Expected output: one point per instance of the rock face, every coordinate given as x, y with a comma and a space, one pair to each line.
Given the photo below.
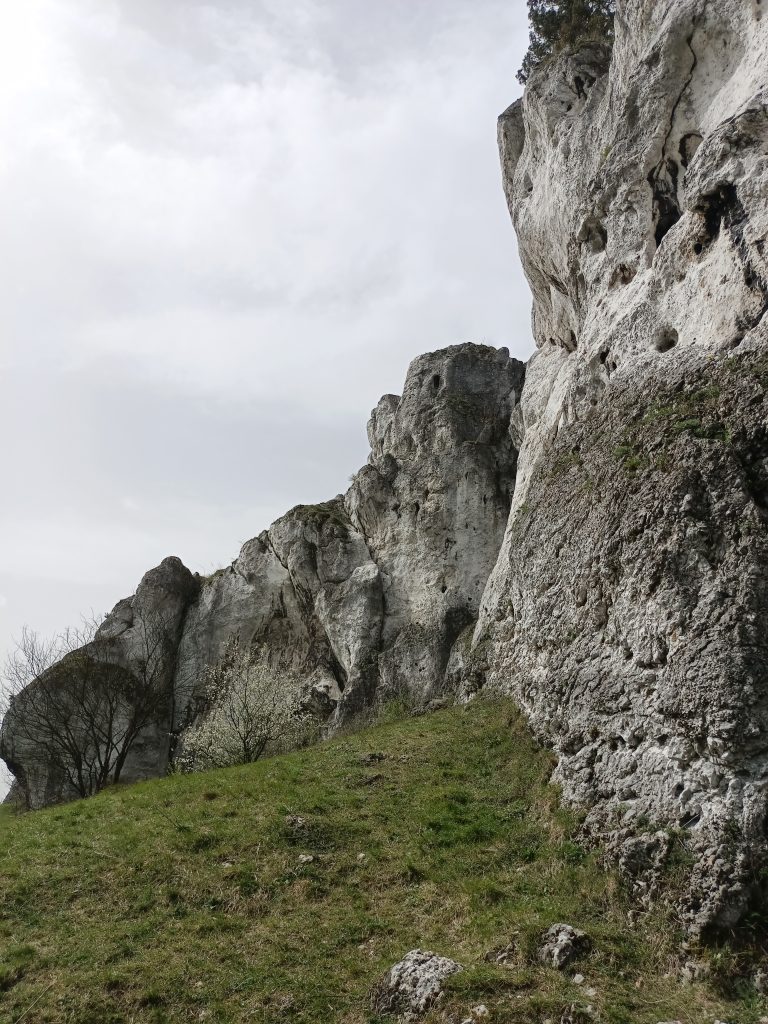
364, 596
628, 609
620, 505
43, 736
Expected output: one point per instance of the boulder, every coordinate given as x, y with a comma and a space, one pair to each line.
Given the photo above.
414, 985
562, 944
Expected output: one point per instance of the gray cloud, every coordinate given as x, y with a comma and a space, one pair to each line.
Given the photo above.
228, 227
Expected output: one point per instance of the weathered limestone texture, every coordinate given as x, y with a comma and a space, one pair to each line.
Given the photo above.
363, 596
413, 986
628, 610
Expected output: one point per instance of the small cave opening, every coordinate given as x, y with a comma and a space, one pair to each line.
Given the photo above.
582, 84
718, 208
607, 361
666, 340
593, 234
436, 382
666, 208
668, 216
622, 275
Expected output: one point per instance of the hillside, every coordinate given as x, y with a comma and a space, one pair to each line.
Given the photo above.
185, 899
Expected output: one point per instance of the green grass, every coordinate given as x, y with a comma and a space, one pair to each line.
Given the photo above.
184, 899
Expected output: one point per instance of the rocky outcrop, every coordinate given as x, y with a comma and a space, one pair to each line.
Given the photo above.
628, 610
71, 721
610, 526
363, 597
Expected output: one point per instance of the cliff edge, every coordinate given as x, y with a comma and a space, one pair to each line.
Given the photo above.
628, 610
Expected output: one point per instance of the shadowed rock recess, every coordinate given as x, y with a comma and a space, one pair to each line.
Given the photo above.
597, 545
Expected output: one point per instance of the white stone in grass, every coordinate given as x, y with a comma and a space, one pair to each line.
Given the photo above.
413, 985
561, 944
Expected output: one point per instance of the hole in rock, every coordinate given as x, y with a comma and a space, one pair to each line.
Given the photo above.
718, 208
593, 233
669, 215
436, 382
698, 248
622, 275
582, 85
666, 209
666, 340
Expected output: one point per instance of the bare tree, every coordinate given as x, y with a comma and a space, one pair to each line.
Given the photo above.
75, 705
248, 707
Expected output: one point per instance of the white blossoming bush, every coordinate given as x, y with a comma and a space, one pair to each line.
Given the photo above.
248, 708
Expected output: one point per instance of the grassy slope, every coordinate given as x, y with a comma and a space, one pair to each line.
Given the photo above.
184, 899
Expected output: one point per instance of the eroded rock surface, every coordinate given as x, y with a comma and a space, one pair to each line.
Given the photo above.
139, 640
363, 596
628, 610
414, 985
561, 945
628, 607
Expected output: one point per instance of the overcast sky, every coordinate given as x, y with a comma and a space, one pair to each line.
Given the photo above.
228, 226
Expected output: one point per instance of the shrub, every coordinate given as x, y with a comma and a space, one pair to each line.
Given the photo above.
248, 708
556, 24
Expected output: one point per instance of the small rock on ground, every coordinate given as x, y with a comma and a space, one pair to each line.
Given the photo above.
413, 985
562, 944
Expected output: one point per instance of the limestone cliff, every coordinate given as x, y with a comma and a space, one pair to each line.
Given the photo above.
610, 526
628, 610
363, 596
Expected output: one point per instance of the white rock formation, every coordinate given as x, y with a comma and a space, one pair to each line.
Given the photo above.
628, 606
628, 609
363, 596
